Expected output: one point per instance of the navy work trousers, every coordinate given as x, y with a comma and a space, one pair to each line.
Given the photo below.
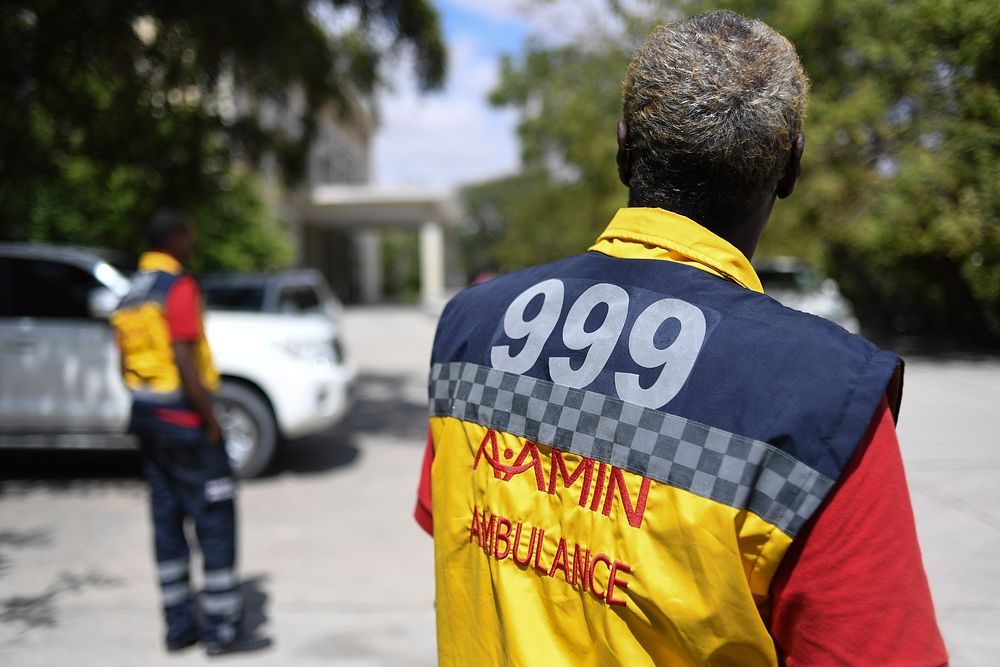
190, 478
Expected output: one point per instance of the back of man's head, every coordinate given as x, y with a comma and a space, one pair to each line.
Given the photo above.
163, 225
714, 106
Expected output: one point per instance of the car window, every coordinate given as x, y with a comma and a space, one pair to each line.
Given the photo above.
5, 289
796, 278
298, 299
233, 297
778, 280
43, 288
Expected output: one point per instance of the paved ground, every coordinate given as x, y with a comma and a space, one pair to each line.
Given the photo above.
338, 572
950, 436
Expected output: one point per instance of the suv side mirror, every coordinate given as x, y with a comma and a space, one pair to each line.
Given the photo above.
101, 302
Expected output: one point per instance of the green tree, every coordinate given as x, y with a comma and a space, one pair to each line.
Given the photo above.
569, 99
114, 107
901, 194
900, 191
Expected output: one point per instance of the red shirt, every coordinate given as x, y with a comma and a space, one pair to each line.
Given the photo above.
182, 310
852, 588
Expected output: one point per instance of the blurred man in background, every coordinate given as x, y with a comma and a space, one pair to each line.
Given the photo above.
167, 365
635, 457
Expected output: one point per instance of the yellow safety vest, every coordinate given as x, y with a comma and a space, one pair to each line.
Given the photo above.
144, 337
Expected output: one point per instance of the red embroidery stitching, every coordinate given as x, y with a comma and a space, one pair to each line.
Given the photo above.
586, 467
502, 523
474, 529
599, 558
613, 581
538, 551
531, 546
600, 493
559, 560
617, 481
600, 486
489, 533
581, 567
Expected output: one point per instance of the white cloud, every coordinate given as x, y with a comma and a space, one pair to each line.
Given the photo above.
495, 10
553, 21
455, 137
447, 138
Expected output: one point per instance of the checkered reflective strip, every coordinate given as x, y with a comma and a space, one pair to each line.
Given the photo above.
728, 468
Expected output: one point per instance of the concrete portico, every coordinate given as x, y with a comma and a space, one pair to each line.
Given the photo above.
361, 213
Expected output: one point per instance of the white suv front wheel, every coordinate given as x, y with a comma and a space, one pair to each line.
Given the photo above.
248, 428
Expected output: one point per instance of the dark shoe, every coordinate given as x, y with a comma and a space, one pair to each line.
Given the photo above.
238, 645
181, 644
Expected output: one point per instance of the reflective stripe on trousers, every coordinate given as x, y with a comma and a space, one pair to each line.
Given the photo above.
221, 596
174, 585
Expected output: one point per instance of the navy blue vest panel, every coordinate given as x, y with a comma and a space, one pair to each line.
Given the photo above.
149, 286
763, 371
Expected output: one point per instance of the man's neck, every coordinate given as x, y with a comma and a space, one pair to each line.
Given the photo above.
743, 231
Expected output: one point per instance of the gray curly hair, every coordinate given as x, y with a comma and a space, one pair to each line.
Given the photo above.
714, 105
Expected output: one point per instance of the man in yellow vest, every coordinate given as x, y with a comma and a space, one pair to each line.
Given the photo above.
167, 366
635, 456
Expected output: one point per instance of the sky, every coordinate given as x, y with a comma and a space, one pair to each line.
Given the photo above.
453, 137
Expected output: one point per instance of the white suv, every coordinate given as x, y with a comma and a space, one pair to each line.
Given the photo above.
283, 376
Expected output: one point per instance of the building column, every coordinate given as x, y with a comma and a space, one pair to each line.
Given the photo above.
297, 236
431, 263
369, 244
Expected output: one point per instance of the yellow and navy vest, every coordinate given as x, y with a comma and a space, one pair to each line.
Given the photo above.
625, 449
144, 338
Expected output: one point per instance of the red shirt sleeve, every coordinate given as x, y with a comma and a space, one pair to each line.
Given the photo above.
183, 310
422, 512
852, 589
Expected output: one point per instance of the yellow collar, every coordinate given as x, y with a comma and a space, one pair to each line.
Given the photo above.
154, 260
653, 233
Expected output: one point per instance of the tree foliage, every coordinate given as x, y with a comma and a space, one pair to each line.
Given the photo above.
569, 99
112, 107
900, 192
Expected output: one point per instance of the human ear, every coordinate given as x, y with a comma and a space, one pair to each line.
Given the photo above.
624, 156
786, 184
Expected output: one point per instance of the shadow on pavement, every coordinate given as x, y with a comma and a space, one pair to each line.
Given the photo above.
383, 406
389, 404
315, 454
23, 471
42, 610
11, 540
255, 601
